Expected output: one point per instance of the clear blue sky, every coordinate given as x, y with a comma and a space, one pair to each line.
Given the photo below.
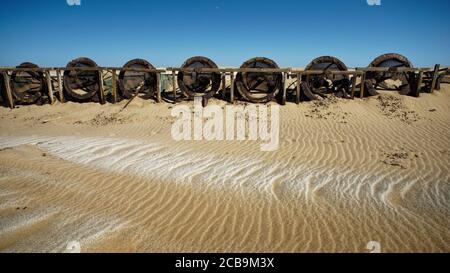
292, 32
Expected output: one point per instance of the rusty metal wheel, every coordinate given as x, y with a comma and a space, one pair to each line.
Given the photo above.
324, 84
28, 87
194, 83
131, 82
401, 80
259, 87
81, 86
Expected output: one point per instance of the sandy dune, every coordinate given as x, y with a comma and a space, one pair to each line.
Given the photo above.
346, 173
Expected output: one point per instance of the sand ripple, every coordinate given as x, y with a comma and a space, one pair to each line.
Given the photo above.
332, 186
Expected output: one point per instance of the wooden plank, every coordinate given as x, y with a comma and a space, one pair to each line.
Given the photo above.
232, 88
60, 86
86, 68
419, 83
283, 89
354, 85
328, 72
173, 86
6, 82
158, 87
361, 89
435, 77
218, 70
101, 88
228, 70
224, 85
391, 69
114, 85
51, 99
298, 89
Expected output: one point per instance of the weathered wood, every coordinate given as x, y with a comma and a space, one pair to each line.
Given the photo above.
193, 84
9, 96
87, 68
101, 88
220, 70
158, 87
267, 85
224, 85
51, 99
268, 70
60, 86
354, 86
435, 77
228, 70
174, 76
361, 89
283, 89
445, 79
419, 83
298, 88
232, 87
391, 69
114, 85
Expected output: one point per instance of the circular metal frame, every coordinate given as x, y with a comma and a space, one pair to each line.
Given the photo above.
194, 83
390, 60
132, 81
326, 83
259, 87
81, 86
27, 87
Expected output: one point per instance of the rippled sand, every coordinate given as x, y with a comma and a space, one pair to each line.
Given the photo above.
350, 173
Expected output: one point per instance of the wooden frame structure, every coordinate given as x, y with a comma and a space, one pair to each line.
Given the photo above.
224, 72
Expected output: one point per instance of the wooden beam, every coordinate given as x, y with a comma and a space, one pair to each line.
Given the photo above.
283, 89
228, 70
86, 68
6, 82
391, 69
101, 87
224, 85
419, 83
354, 85
173, 86
218, 70
435, 77
158, 87
232, 88
361, 89
60, 86
298, 89
51, 99
114, 85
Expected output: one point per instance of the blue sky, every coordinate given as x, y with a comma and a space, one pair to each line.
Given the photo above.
111, 32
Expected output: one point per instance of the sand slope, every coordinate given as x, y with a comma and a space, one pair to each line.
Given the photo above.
346, 173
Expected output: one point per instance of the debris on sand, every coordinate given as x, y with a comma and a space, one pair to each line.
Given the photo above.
326, 108
47, 118
393, 108
103, 119
398, 157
